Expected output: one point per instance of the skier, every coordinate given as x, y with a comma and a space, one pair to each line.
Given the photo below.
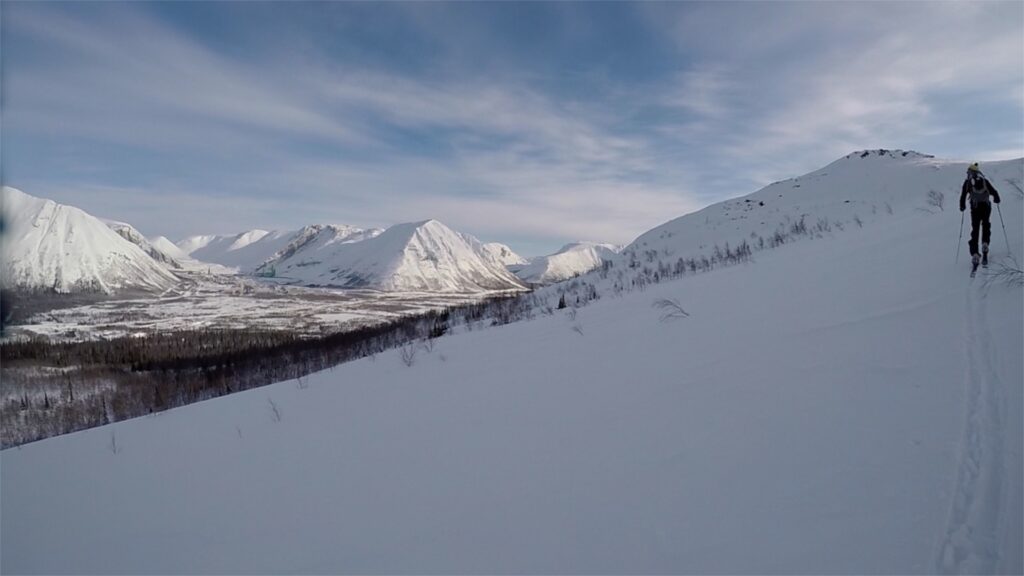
978, 188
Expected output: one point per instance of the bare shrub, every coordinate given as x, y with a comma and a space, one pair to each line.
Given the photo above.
275, 412
114, 448
936, 199
670, 309
1006, 272
577, 329
408, 354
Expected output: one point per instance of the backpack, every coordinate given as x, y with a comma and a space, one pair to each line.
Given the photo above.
978, 188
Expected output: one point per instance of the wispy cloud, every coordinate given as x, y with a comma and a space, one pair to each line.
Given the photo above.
644, 111
123, 71
813, 81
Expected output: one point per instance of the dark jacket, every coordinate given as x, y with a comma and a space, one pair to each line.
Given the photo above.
977, 195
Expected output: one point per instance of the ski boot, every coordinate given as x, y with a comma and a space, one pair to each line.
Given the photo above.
975, 260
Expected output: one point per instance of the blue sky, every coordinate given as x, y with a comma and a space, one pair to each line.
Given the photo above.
532, 124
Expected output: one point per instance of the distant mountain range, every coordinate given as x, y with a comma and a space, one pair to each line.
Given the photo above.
422, 256
50, 247
58, 248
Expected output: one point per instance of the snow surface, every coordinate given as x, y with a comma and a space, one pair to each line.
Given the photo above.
131, 234
164, 244
848, 404
245, 251
311, 245
220, 301
572, 260
50, 246
504, 254
418, 256
861, 186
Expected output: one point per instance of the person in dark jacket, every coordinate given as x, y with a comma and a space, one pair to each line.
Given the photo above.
982, 194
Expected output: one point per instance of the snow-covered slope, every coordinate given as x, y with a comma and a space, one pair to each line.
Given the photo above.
504, 254
420, 256
49, 246
864, 418
129, 233
849, 404
186, 262
310, 245
858, 188
572, 260
245, 251
168, 248
192, 243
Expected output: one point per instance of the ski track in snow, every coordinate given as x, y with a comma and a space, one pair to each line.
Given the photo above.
970, 542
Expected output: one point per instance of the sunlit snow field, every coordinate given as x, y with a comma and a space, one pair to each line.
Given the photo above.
850, 404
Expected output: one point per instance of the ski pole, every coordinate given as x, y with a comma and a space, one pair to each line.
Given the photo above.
961, 238
1003, 224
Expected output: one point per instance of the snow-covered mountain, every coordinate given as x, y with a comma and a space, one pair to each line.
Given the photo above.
186, 262
168, 248
859, 187
504, 254
572, 260
424, 256
420, 256
50, 246
190, 244
310, 245
848, 403
129, 233
245, 251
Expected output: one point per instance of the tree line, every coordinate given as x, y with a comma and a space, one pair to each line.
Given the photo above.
55, 387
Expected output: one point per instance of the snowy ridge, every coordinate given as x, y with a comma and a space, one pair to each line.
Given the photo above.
572, 260
49, 246
171, 250
129, 233
245, 251
421, 256
858, 188
192, 243
504, 254
310, 245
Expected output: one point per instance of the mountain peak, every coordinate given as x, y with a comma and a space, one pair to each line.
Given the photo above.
414, 256
586, 245
503, 254
884, 153
50, 246
573, 259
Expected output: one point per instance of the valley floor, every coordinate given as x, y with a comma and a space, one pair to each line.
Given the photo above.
845, 405
226, 302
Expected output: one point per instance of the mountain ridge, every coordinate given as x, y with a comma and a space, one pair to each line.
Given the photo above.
415, 256
55, 247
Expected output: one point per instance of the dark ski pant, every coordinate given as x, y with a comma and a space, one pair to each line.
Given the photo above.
980, 223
